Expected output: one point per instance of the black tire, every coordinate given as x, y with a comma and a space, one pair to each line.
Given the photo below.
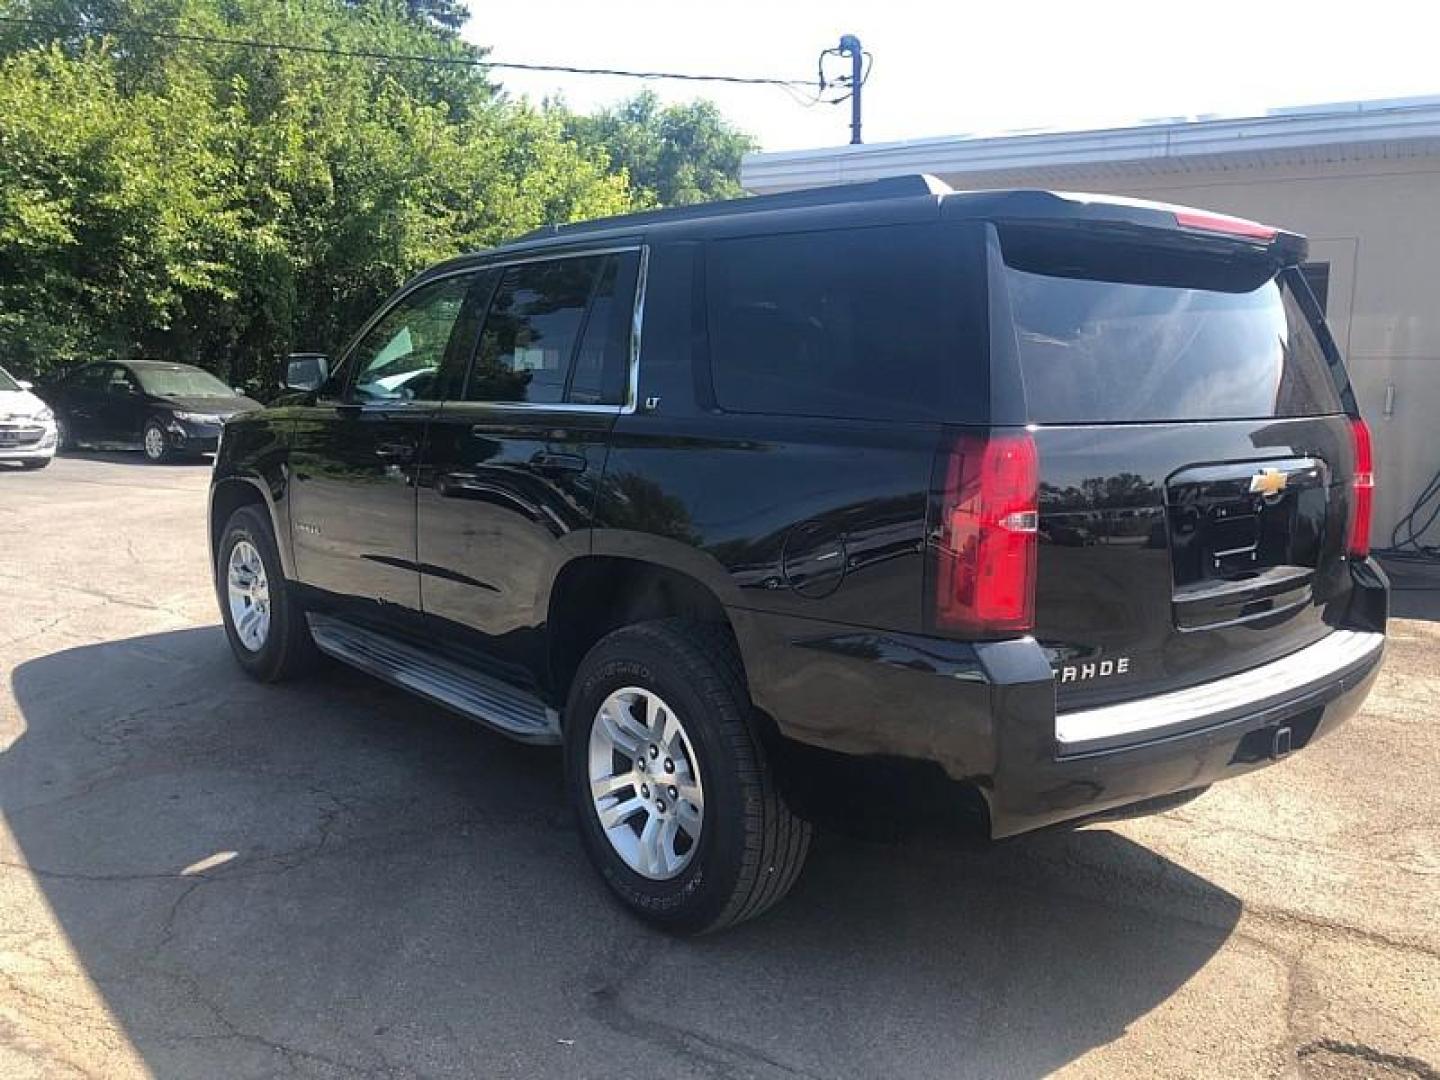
35, 463
288, 649
751, 846
161, 442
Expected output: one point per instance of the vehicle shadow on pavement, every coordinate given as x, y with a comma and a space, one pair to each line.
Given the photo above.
333, 878
130, 457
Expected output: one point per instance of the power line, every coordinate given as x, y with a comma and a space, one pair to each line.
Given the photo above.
372, 54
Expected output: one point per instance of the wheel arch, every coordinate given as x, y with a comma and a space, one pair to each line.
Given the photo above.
596, 594
229, 494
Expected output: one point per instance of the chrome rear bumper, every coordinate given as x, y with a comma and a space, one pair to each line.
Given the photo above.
1127, 723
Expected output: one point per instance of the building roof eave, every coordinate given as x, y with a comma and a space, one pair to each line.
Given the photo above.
1358, 131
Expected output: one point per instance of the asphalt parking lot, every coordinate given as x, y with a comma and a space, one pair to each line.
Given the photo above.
201, 877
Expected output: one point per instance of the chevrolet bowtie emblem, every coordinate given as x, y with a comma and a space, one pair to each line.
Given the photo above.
1268, 482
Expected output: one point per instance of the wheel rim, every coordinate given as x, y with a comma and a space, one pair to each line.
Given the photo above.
645, 783
249, 595
154, 443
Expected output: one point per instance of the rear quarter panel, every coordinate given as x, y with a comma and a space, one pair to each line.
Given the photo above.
823, 519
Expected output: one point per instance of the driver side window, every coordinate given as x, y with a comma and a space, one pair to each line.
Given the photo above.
121, 383
400, 358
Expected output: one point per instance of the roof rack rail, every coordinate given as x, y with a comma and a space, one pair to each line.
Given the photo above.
894, 187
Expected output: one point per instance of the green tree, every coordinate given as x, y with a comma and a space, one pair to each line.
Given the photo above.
674, 155
222, 205
444, 14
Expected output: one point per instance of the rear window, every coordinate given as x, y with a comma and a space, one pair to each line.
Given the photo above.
849, 323
1095, 350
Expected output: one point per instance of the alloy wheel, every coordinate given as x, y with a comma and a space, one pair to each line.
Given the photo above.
645, 783
154, 443
248, 592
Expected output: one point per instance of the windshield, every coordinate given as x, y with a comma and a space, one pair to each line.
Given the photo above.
7, 382
181, 382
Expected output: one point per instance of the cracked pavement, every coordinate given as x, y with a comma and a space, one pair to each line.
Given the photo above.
201, 877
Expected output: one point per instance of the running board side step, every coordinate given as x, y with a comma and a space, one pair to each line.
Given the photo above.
487, 700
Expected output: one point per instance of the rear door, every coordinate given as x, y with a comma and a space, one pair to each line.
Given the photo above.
508, 488
1196, 457
80, 399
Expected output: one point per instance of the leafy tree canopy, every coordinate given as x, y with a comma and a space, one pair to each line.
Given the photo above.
674, 155
222, 205
442, 14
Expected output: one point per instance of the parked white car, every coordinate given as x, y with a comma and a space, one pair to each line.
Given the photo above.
27, 426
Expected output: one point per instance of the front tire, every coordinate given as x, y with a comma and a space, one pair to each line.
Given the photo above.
268, 632
677, 805
35, 463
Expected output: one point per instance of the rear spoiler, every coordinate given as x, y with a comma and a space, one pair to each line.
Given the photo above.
1288, 248
1154, 224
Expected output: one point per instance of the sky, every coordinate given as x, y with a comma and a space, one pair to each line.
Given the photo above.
951, 67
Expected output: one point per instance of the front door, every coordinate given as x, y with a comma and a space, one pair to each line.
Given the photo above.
355, 452
511, 470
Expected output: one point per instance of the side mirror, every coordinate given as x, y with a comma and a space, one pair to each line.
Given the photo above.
305, 371
25, 384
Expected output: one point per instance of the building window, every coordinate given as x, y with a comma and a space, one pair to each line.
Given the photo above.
1317, 276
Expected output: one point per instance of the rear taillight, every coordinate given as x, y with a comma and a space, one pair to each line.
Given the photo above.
983, 576
1362, 497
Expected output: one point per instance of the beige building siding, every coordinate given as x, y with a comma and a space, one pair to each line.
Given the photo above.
1378, 226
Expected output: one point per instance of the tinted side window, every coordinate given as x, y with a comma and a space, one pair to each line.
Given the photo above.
531, 333
94, 377
602, 361
399, 358
852, 323
121, 383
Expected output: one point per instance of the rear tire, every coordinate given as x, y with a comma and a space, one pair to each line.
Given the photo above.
282, 647
155, 443
750, 846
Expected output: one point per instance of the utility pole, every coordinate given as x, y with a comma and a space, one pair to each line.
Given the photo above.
850, 46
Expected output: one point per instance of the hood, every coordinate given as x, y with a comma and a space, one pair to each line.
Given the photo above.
223, 407
19, 404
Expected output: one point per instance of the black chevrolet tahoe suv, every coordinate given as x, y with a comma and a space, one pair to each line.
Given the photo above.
1065, 498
